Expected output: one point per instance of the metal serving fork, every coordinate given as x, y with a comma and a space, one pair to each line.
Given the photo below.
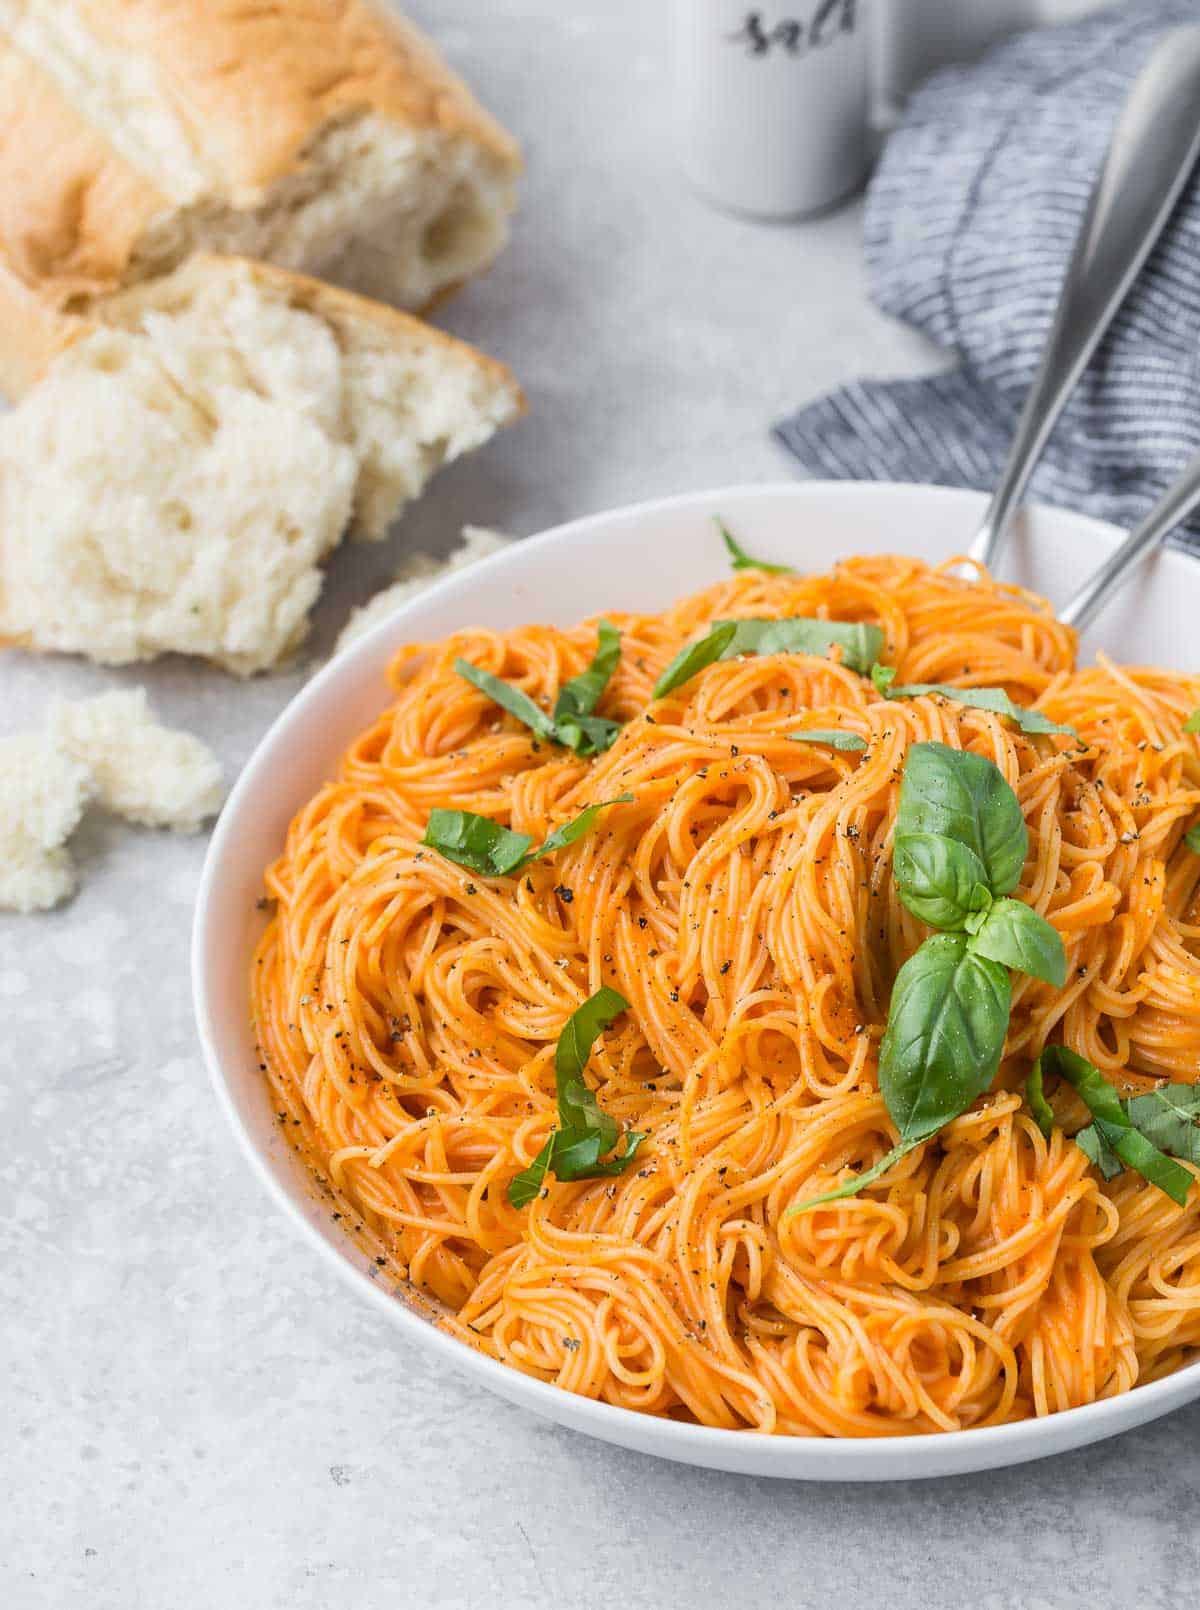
1150, 157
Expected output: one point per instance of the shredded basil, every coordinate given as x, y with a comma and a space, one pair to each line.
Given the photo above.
741, 560
576, 1149
484, 846
1126, 1134
859, 642
1192, 724
836, 740
1035, 1096
1170, 1118
573, 724
993, 699
695, 657
476, 842
1192, 838
508, 697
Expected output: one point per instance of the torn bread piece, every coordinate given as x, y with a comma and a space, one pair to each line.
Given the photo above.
111, 752
419, 571
322, 135
43, 792
150, 774
178, 475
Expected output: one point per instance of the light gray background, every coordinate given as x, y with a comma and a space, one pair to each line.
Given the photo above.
195, 1413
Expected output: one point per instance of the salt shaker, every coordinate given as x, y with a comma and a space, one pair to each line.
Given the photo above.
772, 102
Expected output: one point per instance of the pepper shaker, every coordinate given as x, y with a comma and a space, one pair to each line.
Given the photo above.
773, 102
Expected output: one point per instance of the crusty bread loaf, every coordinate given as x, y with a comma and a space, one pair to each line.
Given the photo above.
324, 135
178, 475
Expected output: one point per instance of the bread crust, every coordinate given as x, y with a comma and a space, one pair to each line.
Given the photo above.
32, 333
71, 209
256, 84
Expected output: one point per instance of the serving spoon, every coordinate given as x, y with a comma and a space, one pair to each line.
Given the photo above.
1181, 499
1152, 152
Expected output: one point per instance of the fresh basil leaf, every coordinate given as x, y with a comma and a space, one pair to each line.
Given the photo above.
1035, 1095
1169, 1117
572, 1160
694, 658
573, 725
579, 1113
835, 740
1141, 1155
483, 846
942, 1046
576, 1108
581, 1159
476, 842
859, 642
1192, 838
1096, 1146
525, 1186
1100, 1098
581, 695
883, 676
1113, 1130
993, 699
508, 697
852, 1187
575, 1150
1192, 724
741, 560
953, 794
586, 735
944, 1036
940, 880
577, 826
1017, 936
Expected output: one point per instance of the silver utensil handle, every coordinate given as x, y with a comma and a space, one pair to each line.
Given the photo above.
1152, 152
1177, 502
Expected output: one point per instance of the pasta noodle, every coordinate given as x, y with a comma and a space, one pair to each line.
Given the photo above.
407, 1012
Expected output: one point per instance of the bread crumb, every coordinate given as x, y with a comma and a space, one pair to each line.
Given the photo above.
108, 751
43, 792
419, 571
150, 774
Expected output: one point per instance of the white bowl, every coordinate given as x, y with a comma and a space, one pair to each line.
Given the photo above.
638, 558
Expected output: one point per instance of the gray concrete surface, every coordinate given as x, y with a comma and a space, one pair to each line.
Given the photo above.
193, 1412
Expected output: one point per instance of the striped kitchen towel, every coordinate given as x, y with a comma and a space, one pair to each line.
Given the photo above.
970, 221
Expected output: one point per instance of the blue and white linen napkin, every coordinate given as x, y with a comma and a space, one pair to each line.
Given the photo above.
970, 221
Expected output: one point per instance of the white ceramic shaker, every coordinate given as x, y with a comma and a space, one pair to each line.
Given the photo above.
772, 101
